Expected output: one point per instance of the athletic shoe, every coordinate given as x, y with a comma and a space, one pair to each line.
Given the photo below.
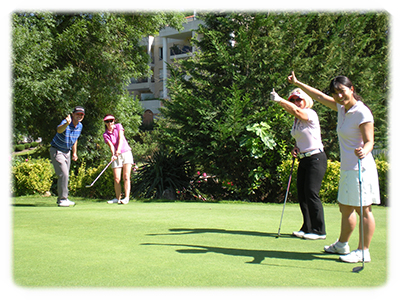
338, 247
65, 203
356, 256
115, 200
124, 201
299, 233
314, 236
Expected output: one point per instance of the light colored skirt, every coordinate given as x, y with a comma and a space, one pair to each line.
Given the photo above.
122, 159
349, 187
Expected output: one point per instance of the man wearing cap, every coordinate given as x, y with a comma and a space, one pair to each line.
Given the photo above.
65, 140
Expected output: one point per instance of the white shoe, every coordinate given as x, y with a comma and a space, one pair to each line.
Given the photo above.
299, 233
115, 200
124, 201
65, 203
356, 256
314, 236
338, 247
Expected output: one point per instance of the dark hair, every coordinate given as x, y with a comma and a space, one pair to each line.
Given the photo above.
343, 80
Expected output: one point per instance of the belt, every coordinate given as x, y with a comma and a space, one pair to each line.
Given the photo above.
310, 153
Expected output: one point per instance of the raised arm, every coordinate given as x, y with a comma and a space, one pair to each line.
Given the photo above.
313, 92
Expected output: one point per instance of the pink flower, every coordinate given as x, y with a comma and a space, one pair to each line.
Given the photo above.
198, 172
204, 175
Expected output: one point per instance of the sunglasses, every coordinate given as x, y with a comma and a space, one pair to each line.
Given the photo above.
296, 99
108, 121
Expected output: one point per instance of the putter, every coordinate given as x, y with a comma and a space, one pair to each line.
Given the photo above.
358, 269
287, 192
99, 174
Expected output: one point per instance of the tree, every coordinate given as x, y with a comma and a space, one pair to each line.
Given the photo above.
63, 60
222, 91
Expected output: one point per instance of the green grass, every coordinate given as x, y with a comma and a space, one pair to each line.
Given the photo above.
95, 244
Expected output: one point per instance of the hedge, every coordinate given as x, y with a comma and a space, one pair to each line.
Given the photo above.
36, 176
330, 183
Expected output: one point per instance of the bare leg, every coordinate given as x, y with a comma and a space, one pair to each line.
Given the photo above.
349, 222
127, 179
117, 182
369, 226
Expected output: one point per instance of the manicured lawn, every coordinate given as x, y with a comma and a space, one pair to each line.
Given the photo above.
95, 244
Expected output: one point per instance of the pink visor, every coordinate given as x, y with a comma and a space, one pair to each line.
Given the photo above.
108, 118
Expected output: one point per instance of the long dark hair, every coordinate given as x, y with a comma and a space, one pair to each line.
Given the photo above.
343, 80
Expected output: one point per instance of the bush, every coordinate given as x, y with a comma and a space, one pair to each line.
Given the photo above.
383, 171
330, 183
161, 176
19, 147
102, 189
32, 176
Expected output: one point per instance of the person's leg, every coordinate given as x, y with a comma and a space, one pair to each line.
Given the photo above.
117, 182
127, 179
61, 163
316, 168
349, 222
369, 226
301, 178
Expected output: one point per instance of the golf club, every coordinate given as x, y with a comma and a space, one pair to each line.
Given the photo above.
99, 174
358, 269
287, 192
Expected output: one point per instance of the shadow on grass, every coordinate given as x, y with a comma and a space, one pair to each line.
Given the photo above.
183, 231
257, 255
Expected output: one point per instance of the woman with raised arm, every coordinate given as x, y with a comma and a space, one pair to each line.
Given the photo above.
312, 166
355, 129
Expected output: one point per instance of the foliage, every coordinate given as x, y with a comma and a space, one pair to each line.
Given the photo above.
219, 92
63, 60
161, 176
31, 176
383, 175
102, 189
330, 183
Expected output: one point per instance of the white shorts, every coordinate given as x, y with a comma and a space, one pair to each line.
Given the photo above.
123, 159
349, 187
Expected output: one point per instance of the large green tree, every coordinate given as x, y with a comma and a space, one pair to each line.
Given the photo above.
63, 60
218, 95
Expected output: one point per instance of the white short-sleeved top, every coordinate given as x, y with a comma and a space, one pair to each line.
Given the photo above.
350, 137
307, 133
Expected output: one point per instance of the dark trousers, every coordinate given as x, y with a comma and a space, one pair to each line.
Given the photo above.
310, 173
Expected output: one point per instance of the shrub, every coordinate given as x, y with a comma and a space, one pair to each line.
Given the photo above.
32, 176
19, 147
161, 176
383, 172
330, 183
102, 189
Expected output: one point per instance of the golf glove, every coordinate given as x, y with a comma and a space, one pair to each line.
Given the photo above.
275, 97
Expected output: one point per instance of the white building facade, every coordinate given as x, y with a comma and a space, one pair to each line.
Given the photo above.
168, 46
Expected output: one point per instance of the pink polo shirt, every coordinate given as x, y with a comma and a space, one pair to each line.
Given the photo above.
114, 138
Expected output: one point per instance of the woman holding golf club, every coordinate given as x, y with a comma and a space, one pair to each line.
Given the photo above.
355, 128
121, 156
313, 162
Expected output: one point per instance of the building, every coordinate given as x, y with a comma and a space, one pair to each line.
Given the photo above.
168, 46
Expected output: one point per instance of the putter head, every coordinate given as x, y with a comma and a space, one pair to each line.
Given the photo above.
358, 269
88, 186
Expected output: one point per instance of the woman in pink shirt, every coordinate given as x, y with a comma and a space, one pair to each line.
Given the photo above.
121, 155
